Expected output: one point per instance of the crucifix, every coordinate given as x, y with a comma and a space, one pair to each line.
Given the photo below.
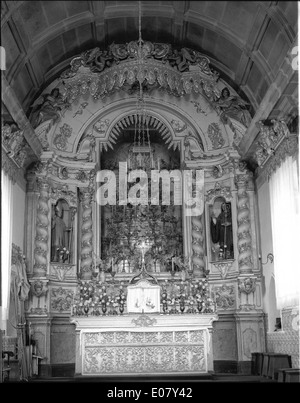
143, 247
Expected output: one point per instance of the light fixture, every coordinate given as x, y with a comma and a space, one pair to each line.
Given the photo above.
270, 257
141, 151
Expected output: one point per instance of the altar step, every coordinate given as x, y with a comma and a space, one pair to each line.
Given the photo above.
158, 379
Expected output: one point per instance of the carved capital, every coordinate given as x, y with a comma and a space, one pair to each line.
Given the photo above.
85, 196
270, 136
241, 181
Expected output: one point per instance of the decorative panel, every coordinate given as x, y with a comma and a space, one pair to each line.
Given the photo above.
143, 352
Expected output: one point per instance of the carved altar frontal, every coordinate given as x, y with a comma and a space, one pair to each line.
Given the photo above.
144, 344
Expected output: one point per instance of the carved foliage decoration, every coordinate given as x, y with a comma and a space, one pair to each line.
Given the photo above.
14, 144
268, 139
98, 60
143, 352
178, 72
60, 140
63, 193
244, 225
288, 147
42, 223
224, 296
144, 320
215, 134
9, 167
101, 125
218, 191
61, 299
178, 125
86, 233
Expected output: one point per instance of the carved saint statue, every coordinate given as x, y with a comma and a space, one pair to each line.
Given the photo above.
233, 107
221, 232
59, 235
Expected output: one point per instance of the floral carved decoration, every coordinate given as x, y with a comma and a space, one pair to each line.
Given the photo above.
219, 190
215, 134
14, 143
144, 320
60, 140
224, 296
61, 299
101, 72
268, 139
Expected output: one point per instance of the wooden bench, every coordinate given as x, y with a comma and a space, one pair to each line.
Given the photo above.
277, 361
288, 375
265, 364
256, 363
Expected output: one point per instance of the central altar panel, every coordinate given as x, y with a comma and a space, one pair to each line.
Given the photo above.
144, 344
143, 297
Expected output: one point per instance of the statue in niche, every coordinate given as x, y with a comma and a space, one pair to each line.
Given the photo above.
48, 107
221, 230
233, 107
60, 239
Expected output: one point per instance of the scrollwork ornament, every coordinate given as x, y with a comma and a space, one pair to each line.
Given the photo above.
144, 321
219, 190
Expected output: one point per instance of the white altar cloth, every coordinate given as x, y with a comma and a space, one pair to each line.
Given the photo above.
138, 344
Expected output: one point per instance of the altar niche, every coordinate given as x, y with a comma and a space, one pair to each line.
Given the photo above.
125, 227
61, 232
220, 225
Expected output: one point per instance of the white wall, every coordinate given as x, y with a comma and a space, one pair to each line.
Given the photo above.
18, 218
269, 296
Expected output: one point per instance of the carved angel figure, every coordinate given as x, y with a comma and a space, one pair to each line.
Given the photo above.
48, 107
233, 107
97, 60
181, 60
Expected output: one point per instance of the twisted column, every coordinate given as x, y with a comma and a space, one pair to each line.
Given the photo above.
86, 236
197, 245
42, 224
244, 226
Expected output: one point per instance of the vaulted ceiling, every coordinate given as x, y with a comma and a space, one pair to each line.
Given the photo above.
248, 42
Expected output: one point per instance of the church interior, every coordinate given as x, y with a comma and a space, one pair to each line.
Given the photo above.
149, 190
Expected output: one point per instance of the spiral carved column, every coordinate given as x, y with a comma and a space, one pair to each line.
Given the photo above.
244, 226
41, 239
86, 236
197, 246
